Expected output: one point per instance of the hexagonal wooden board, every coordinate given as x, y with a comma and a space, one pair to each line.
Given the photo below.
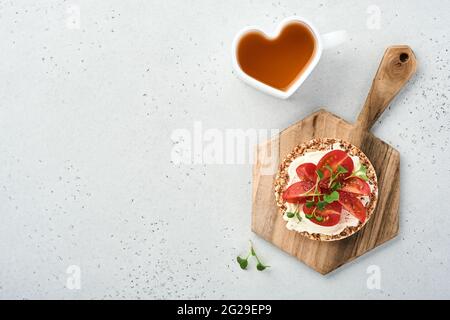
396, 68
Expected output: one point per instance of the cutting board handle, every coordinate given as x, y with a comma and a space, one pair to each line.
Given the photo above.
396, 68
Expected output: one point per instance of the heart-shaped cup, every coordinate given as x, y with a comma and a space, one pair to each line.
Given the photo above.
279, 62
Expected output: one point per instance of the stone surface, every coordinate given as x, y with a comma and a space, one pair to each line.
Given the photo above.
87, 115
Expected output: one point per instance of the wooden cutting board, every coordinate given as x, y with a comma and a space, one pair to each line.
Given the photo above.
396, 68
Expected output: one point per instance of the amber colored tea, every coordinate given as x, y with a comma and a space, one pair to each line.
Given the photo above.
280, 61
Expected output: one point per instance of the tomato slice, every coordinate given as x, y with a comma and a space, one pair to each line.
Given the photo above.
329, 220
334, 159
331, 214
296, 192
356, 185
307, 172
353, 205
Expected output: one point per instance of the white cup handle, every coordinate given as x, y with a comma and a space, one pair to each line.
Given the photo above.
333, 39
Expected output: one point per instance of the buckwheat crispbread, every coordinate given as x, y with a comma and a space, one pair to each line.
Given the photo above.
321, 144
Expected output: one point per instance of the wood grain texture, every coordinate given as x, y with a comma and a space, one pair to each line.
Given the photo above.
396, 68
322, 256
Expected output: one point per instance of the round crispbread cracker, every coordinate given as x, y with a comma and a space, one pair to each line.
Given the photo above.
324, 144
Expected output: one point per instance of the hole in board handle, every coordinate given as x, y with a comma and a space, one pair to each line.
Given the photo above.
404, 57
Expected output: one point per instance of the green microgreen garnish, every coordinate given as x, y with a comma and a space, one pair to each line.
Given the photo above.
341, 169
319, 199
243, 262
327, 199
260, 266
361, 173
310, 204
319, 174
296, 213
336, 186
318, 218
321, 205
332, 197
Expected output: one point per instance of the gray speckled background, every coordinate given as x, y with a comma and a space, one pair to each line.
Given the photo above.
86, 179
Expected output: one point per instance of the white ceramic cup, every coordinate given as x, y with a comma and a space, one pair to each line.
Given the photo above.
324, 41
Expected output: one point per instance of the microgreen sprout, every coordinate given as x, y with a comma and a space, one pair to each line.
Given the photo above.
319, 174
243, 262
296, 213
340, 170
336, 186
329, 198
310, 204
323, 199
360, 173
